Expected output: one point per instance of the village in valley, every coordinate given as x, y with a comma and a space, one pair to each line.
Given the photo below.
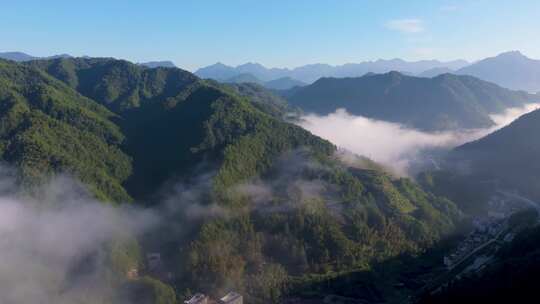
508, 214
230, 298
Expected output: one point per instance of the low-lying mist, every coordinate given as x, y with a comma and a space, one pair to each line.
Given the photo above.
398, 147
54, 239
51, 248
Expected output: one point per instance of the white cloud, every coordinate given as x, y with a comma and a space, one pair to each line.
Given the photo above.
409, 26
392, 144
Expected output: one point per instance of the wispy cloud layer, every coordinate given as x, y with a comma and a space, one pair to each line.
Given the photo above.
53, 249
410, 26
392, 144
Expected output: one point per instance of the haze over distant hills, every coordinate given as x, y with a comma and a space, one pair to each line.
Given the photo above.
436, 72
310, 73
511, 70
158, 64
21, 57
441, 103
284, 83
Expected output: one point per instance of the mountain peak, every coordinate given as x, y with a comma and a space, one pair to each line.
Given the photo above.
16, 56
395, 74
219, 64
251, 65
512, 55
511, 70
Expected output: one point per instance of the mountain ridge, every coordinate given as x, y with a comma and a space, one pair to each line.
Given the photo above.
512, 70
158, 64
311, 72
279, 84
433, 104
22, 57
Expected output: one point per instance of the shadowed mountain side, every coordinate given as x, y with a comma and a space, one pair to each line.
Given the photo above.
509, 156
431, 104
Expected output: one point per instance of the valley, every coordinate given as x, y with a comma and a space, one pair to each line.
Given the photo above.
269, 152
293, 217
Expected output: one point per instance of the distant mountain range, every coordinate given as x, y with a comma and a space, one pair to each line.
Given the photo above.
440, 103
16, 56
21, 57
511, 70
312, 72
284, 83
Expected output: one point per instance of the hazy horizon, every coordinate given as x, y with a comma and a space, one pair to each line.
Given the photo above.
277, 34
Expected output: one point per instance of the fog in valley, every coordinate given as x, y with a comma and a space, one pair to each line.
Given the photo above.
55, 242
393, 145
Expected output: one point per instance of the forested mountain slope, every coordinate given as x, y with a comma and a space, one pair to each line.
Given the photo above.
505, 160
131, 132
46, 128
117, 84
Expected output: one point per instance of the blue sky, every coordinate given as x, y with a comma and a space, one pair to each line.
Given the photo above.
276, 33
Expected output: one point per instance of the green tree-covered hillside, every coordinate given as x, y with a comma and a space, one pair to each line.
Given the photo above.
133, 133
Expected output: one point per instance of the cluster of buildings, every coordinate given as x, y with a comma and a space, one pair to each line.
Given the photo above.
485, 229
230, 298
154, 266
